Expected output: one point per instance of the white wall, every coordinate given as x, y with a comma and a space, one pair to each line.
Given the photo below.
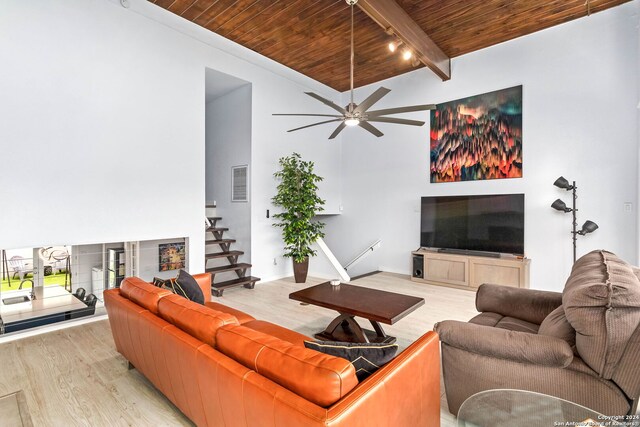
228, 132
580, 92
103, 113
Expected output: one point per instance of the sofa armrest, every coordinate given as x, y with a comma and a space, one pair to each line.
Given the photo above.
524, 304
404, 392
500, 343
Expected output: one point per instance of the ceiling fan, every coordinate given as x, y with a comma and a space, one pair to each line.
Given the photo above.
358, 114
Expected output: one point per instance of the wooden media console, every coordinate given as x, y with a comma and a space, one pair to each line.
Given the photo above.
469, 271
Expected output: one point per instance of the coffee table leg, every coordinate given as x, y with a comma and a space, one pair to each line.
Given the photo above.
356, 330
379, 331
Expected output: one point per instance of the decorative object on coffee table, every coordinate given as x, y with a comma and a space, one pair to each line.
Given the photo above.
298, 196
351, 301
559, 205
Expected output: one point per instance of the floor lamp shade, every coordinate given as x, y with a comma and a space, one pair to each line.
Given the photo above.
559, 205
588, 227
562, 182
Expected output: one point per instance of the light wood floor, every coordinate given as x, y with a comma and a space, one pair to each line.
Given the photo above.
75, 376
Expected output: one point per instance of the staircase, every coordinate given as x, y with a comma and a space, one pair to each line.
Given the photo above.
224, 253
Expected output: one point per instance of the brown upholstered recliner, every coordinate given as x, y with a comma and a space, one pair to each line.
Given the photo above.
582, 345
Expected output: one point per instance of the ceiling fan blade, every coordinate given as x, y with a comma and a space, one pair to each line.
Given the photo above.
397, 121
327, 102
338, 130
315, 124
372, 99
312, 115
401, 110
368, 126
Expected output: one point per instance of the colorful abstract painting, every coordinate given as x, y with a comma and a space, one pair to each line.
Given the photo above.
479, 137
171, 256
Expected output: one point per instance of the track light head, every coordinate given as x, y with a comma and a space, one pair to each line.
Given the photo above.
407, 54
394, 45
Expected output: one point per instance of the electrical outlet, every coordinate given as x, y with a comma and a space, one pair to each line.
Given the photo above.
628, 207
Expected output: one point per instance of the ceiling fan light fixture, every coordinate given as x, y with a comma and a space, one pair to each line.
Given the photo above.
359, 114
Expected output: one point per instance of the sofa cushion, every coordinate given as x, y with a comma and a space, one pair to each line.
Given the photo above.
365, 357
601, 300
504, 322
184, 285
557, 325
278, 331
240, 315
513, 324
317, 377
142, 293
198, 321
487, 319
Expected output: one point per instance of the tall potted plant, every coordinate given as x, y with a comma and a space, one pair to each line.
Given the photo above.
298, 197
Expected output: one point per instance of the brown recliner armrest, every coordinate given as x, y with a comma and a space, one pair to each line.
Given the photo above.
500, 343
525, 304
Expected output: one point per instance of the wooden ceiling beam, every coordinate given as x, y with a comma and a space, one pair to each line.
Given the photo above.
394, 20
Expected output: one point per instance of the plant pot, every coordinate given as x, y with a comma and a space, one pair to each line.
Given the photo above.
300, 270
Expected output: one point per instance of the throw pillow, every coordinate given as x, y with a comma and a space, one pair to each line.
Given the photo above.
557, 325
190, 287
164, 283
184, 285
365, 357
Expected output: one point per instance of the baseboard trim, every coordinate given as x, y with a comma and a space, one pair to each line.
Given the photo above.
371, 273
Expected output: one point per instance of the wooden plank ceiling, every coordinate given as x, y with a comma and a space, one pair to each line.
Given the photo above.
312, 36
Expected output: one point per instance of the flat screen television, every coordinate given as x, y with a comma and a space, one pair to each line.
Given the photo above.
488, 223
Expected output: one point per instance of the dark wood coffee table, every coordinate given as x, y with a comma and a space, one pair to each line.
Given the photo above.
351, 301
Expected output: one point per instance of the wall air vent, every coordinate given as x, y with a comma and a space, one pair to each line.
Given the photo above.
240, 183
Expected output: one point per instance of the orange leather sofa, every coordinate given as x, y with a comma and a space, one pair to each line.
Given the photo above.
221, 367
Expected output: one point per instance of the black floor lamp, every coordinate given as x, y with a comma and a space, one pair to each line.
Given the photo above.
559, 205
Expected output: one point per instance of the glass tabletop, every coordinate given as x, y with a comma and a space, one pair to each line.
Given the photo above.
513, 408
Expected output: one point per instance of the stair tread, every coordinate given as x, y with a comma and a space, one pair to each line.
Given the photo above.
214, 218
231, 267
235, 282
222, 254
217, 229
209, 206
218, 241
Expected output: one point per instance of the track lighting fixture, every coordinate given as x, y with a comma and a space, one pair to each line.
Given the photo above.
394, 45
407, 54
